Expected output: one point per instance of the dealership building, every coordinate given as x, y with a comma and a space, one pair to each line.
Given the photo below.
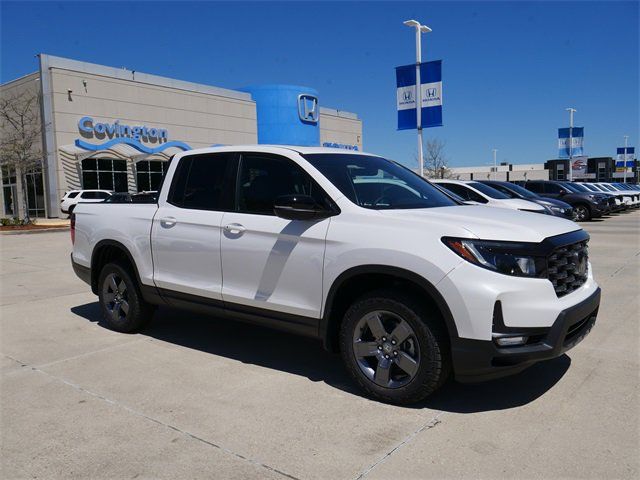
115, 129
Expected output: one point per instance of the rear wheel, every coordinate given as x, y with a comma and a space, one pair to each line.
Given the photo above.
123, 307
394, 348
581, 213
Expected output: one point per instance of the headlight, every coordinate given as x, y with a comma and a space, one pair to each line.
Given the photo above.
508, 258
558, 209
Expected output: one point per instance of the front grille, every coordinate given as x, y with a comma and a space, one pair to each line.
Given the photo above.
567, 267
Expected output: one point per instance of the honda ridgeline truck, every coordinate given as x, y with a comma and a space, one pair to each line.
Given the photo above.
410, 286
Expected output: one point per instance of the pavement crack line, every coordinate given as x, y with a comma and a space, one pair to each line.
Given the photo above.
76, 357
426, 426
155, 420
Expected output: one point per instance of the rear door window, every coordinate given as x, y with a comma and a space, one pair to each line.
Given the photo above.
204, 182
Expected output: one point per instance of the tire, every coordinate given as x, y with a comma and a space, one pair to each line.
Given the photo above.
581, 213
379, 366
122, 305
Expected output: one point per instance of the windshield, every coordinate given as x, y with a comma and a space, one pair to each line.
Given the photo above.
590, 187
488, 191
608, 187
377, 183
573, 187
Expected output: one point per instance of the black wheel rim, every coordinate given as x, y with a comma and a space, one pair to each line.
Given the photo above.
580, 213
386, 349
115, 297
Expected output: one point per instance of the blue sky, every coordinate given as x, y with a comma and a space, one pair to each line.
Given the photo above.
509, 68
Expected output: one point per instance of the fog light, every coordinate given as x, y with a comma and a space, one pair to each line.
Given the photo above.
511, 341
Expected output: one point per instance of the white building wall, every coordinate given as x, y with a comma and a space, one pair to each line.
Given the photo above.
340, 127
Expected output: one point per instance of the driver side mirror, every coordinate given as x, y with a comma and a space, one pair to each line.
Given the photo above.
563, 191
300, 207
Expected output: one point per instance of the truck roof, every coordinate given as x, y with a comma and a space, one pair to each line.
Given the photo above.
276, 149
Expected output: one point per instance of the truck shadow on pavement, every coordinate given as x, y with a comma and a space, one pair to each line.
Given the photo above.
305, 357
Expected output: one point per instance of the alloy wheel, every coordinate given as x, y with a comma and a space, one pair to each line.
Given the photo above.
386, 349
115, 297
580, 213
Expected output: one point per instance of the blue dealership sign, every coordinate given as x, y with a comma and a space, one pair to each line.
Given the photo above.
431, 104
577, 142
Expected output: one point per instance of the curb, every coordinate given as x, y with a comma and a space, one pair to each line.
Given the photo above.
39, 230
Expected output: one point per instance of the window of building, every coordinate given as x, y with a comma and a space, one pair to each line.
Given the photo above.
203, 182
35, 193
602, 171
9, 190
104, 174
149, 174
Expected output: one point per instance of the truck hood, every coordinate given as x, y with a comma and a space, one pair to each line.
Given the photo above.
487, 223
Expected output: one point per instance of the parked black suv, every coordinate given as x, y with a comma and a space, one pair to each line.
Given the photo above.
585, 205
553, 206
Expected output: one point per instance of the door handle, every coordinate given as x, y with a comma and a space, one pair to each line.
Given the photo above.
234, 227
168, 222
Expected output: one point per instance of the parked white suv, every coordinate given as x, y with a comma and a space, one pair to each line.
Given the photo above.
73, 197
352, 249
489, 196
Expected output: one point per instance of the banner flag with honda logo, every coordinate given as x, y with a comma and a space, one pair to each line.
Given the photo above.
631, 156
431, 84
577, 142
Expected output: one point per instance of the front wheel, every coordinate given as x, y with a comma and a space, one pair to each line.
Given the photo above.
394, 348
581, 213
123, 307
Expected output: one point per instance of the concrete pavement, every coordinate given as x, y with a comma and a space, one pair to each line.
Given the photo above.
193, 397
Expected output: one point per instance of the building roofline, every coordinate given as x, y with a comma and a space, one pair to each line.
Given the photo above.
140, 77
338, 113
23, 77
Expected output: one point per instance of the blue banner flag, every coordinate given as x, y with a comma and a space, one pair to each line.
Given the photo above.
577, 142
431, 85
630, 157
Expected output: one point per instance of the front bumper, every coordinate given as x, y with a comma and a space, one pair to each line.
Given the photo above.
479, 360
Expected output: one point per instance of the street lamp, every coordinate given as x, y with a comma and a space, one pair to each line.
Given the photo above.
495, 164
419, 29
571, 112
624, 164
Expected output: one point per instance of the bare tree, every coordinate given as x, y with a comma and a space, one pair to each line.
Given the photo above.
21, 136
436, 163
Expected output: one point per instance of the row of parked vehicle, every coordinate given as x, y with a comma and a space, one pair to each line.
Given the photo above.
577, 201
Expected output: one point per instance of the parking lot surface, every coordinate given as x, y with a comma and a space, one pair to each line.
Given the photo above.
196, 397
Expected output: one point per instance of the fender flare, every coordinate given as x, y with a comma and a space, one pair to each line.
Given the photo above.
118, 245
324, 329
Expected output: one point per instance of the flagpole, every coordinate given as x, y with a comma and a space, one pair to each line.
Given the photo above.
419, 100
571, 111
419, 29
624, 164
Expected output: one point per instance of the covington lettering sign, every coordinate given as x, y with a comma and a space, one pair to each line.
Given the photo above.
114, 130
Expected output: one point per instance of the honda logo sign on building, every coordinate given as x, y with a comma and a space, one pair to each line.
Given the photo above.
308, 108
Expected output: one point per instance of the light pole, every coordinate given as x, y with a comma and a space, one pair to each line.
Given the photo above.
495, 164
419, 29
624, 164
571, 112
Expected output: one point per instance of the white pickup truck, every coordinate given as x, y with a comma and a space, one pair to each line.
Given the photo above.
410, 286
